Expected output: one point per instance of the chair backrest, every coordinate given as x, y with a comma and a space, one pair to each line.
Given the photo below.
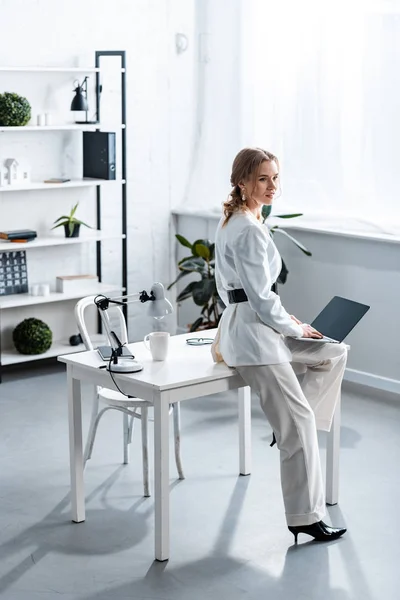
80, 308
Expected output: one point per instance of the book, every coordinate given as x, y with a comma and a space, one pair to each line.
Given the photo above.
57, 180
18, 234
72, 283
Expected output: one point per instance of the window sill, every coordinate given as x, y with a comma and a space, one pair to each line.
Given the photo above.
349, 228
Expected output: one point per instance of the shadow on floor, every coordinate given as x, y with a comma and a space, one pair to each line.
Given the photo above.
220, 576
96, 536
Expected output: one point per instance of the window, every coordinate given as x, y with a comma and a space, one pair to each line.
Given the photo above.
322, 91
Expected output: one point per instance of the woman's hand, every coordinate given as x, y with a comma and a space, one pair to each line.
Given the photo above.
295, 319
310, 332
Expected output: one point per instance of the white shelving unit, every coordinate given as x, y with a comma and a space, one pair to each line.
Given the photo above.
20, 303
19, 300
60, 127
55, 240
58, 347
52, 69
41, 185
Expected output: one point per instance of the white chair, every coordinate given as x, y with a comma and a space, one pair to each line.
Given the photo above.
132, 408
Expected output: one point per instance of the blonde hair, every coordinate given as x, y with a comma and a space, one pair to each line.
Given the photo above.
246, 165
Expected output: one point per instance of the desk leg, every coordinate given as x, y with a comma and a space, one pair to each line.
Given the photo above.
244, 398
332, 459
161, 476
75, 447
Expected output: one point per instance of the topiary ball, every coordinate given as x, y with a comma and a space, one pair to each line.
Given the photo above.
32, 336
15, 111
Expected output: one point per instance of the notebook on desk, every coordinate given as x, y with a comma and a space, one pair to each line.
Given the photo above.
336, 320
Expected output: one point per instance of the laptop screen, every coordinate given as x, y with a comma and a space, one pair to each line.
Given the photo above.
339, 317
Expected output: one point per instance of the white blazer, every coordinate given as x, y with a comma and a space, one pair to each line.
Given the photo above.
252, 332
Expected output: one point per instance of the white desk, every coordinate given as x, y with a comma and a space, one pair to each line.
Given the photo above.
188, 372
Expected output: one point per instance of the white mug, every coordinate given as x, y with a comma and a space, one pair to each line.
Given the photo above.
157, 342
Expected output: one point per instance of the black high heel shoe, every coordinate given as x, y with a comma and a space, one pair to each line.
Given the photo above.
319, 531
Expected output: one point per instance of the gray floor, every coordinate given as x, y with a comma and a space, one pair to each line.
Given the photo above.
229, 539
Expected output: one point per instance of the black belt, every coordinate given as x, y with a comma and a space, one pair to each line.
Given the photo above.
235, 296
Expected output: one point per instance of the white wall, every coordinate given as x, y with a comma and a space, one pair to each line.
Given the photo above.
160, 104
359, 269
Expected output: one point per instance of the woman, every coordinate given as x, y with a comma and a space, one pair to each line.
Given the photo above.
256, 337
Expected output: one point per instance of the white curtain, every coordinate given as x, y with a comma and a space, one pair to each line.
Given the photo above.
321, 89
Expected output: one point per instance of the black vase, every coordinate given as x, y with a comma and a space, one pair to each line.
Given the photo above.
75, 230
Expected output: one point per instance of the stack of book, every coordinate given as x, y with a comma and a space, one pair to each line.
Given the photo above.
18, 235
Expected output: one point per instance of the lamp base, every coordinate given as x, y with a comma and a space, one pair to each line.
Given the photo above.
87, 122
125, 366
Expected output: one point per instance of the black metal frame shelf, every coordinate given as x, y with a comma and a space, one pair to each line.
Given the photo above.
122, 55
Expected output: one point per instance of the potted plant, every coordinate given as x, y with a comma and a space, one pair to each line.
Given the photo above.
265, 213
70, 223
201, 261
203, 291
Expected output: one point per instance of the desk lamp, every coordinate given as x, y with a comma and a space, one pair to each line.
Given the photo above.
159, 307
80, 101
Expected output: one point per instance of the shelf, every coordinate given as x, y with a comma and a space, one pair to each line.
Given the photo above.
40, 185
63, 127
50, 69
19, 300
55, 240
53, 70
12, 357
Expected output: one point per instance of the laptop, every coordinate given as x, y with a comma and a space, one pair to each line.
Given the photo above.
336, 320
105, 352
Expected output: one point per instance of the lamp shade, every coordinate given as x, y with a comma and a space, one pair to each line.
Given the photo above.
79, 101
160, 307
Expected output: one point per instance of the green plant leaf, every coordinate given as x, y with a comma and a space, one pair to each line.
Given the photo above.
185, 259
187, 292
212, 252
289, 216
196, 324
203, 291
73, 211
78, 222
183, 241
266, 211
196, 265
181, 274
201, 250
64, 217
60, 225
291, 238
202, 242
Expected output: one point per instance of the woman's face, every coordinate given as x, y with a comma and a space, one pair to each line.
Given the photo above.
262, 190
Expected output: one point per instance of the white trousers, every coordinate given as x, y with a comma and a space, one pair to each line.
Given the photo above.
295, 411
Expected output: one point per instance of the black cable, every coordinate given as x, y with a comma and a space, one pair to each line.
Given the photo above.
112, 377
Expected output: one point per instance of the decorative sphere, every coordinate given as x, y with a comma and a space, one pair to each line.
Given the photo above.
15, 110
75, 340
32, 336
